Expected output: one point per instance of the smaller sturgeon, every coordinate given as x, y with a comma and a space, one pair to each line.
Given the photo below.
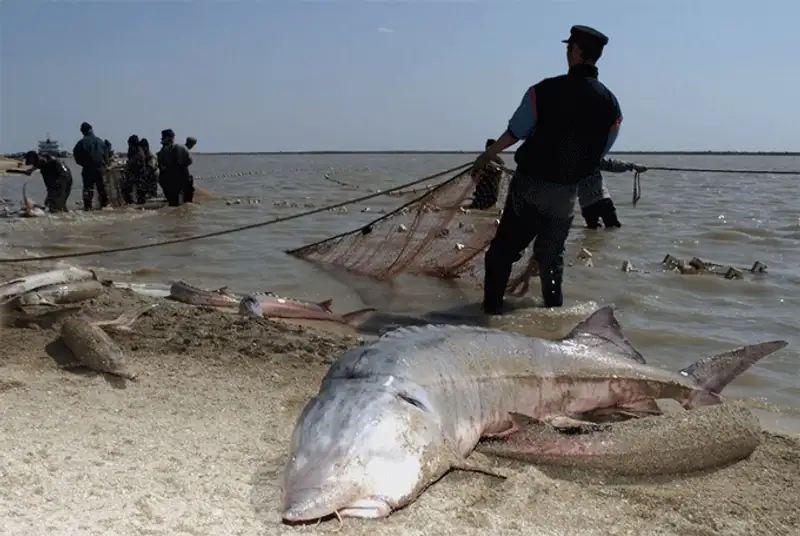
151, 290
701, 439
267, 304
186, 293
10, 290
63, 293
93, 348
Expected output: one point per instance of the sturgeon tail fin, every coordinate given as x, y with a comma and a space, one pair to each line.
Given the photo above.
713, 373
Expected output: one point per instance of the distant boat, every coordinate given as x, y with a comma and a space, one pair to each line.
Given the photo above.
52, 147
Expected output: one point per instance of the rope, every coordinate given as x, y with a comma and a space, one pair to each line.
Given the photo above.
637, 187
236, 229
738, 171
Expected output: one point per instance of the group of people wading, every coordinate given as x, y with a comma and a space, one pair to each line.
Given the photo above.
142, 175
568, 123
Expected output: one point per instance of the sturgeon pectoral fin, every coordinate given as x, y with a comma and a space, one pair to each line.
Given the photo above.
634, 410
475, 468
124, 321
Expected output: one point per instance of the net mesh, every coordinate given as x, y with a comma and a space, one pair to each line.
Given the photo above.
441, 233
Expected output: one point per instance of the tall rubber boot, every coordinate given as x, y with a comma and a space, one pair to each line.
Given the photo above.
495, 281
551, 288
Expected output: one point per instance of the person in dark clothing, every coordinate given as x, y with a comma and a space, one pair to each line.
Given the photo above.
173, 163
594, 197
110, 152
57, 179
569, 123
151, 170
91, 154
488, 187
136, 173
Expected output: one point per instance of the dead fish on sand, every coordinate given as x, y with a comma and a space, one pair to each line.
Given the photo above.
151, 290
17, 287
393, 416
186, 293
702, 439
93, 348
62, 293
268, 305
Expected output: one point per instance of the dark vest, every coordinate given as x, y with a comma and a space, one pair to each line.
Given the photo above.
574, 115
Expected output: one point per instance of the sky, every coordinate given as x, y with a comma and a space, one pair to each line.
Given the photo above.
284, 75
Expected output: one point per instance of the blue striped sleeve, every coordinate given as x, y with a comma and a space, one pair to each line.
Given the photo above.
523, 121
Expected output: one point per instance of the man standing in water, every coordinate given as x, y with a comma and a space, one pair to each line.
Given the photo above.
91, 154
569, 123
173, 162
594, 197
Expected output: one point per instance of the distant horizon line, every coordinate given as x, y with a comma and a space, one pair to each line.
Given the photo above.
411, 151
277, 153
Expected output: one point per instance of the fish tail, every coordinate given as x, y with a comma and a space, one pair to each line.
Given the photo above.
713, 373
354, 315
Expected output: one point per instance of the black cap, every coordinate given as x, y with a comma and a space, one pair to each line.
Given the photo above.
85, 127
167, 133
585, 35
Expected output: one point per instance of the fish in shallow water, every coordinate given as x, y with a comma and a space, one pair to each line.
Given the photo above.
270, 305
394, 416
29, 208
186, 293
93, 348
62, 293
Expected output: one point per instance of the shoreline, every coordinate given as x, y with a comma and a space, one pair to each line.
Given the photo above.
197, 445
444, 152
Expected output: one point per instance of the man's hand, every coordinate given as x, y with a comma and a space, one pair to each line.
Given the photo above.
639, 168
481, 162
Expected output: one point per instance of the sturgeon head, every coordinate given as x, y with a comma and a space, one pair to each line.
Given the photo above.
363, 448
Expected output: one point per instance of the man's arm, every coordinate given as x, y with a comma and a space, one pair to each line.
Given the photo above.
615, 166
520, 126
186, 156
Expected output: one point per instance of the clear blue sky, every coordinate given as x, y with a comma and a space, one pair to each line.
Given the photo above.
358, 75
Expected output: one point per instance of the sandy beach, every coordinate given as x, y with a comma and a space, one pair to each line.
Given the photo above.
8, 163
196, 446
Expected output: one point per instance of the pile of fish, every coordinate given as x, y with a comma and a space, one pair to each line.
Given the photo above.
698, 266
393, 416
85, 337
262, 304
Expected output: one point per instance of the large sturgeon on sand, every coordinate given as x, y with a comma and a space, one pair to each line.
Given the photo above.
267, 304
394, 416
93, 348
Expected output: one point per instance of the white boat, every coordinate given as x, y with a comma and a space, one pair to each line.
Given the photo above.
52, 147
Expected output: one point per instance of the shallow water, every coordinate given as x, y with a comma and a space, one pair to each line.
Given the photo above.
673, 319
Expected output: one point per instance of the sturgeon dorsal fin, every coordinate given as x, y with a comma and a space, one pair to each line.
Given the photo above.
603, 325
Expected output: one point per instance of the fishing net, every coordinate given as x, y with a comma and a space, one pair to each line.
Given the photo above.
441, 233
112, 179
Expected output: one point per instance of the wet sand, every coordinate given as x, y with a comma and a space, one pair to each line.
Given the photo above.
197, 444
8, 163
